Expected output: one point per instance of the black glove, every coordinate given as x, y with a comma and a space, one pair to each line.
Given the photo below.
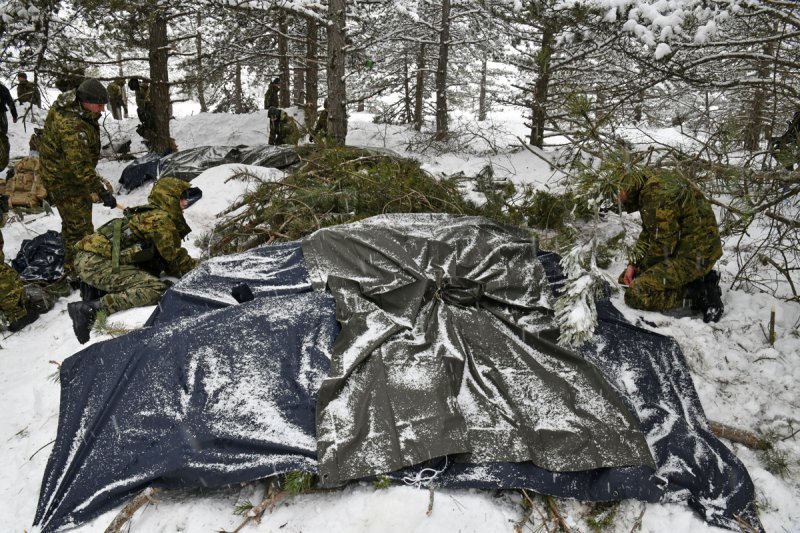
3, 203
108, 199
242, 293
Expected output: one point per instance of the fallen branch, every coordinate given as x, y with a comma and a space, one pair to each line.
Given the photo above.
269, 501
127, 512
551, 504
430, 501
741, 436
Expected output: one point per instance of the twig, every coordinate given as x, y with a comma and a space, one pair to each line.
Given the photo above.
430, 501
741, 436
527, 510
746, 525
40, 449
269, 501
551, 504
637, 524
127, 512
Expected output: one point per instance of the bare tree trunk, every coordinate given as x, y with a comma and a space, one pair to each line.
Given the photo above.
283, 58
419, 91
441, 74
406, 90
159, 88
754, 124
337, 88
199, 83
299, 96
540, 88
312, 71
482, 94
237, 89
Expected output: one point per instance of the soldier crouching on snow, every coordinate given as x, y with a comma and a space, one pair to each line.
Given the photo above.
125, 257
678, 247
20, 304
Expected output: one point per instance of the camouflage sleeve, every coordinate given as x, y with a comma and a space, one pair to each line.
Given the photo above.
161, 231
660, 231
79, 156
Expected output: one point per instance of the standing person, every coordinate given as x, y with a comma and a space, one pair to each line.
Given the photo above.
6, 102
27, 93
125, 257
68, 153
144, 109
116, 98
321, 127
271, 99
679, 246
283, 129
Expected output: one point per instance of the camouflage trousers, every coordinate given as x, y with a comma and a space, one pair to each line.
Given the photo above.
12, 294
75, 207
663, 286
5, 147
130, 287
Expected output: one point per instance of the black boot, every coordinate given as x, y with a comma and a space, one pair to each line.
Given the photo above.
29, 318
707, 296
83, 315
89, 293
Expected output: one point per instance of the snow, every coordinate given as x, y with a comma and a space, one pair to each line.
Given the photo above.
742, 380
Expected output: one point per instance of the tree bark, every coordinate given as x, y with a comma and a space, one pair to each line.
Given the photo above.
337, 88
755, 116
441, 74
541, 87
312, 71
482, 94
283, 58
200, 84
419, 91
159, 87
237, 89
407, 116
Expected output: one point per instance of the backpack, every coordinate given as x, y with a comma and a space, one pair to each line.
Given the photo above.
25, 188
127, 247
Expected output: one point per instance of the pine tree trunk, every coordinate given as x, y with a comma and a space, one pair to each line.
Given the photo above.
283, 58
337, 89
199, 83
540, 88
441, 74
237, 89
419, 92
482, 95
159, 86
407, 117
299, 96
312, 71
755, 116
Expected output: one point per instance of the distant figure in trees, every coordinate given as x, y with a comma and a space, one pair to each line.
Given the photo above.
321, 127
70, 80
272, 98
283, 129
144, 109
27, 93
6, 102
116, 99
786, 148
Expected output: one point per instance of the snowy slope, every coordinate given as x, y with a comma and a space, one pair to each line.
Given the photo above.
742, 381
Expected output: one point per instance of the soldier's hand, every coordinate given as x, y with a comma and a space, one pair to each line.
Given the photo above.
630, 273
108, 199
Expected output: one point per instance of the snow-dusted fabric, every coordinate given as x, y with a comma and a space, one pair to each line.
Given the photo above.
216, 393
440, 354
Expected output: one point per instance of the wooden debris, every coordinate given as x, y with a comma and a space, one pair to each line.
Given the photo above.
270, 499
127, 512
551, 504
740, 436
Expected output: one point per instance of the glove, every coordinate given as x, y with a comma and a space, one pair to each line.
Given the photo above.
242, 293
3, 204
108, 199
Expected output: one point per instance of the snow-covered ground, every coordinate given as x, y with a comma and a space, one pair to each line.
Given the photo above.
741, 379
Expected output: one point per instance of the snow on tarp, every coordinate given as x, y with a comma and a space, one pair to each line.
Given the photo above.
210, 395
188, 164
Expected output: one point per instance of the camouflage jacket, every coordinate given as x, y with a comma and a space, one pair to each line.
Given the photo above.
27, 93
288, 130
153, 233
6, 102
115, 93
70, 146
673, 225
271, 97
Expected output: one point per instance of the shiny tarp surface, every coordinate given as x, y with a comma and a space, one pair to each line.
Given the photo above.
41, 259
214, 392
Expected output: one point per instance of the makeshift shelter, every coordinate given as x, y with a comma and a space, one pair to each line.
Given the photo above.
432, 334
188, 164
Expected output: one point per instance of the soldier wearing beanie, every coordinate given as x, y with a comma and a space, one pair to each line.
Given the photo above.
68, 153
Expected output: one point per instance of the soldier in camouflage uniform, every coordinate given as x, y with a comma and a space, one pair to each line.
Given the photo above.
68, 152
125, 257
20, 304
271, 99
283, 129
6, 102
116, 99
678, 247
144, 109
27, 93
